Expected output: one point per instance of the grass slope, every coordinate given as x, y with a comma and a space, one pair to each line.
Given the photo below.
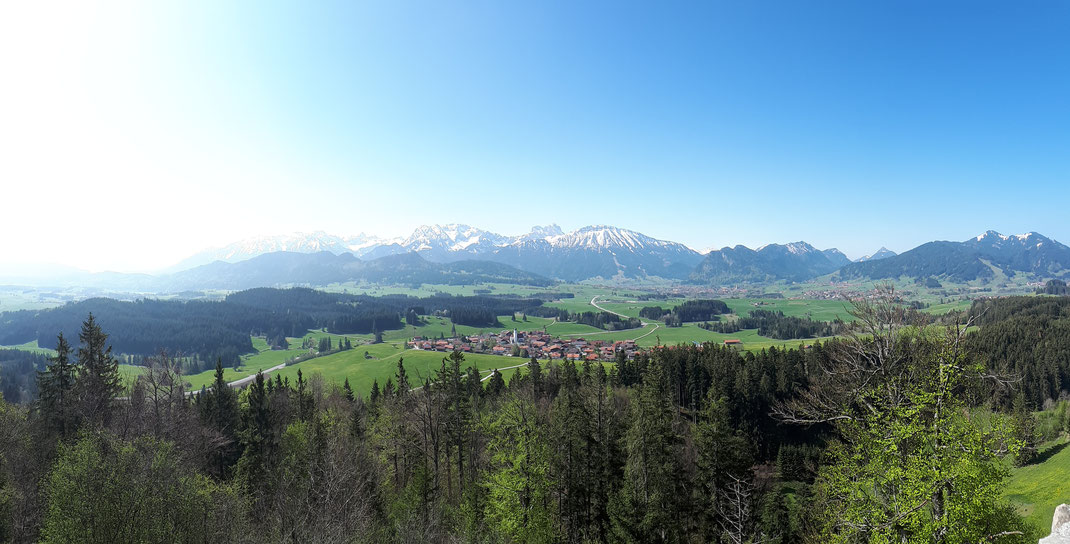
1038, 488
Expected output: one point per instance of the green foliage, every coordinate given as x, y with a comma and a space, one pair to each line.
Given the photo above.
908, 464
56, 400
651, 496
106, 490
98, 383
517, 483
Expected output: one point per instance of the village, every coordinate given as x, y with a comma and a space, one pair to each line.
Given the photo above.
537, 344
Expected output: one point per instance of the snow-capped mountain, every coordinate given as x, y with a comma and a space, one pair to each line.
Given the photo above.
1029, 252
594, 251
597, 252
882, 253
603, 251
975, 259
538, 232
298, 242
607, 237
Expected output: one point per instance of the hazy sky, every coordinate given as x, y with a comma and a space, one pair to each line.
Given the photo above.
134, 134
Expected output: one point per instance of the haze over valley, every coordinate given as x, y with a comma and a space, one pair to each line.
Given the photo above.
542, 272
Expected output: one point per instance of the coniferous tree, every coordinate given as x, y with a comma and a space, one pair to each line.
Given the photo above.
55, 386
535, 375
650, 500
347, 390
305, 401
258, 437
496, 384
456, 413
403, 379
98, 382
724, 459
570, 441
225, 418
374, 396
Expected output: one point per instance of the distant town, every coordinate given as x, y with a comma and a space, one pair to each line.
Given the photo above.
536, 344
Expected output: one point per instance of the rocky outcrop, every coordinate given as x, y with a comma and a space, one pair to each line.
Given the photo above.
1060, 527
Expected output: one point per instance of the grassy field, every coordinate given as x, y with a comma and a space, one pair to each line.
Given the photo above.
335, 365
361, 372
426, 290
32, 346
1037, 489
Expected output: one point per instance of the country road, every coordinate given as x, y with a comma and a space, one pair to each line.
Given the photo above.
594, 302
239, 382
251, 377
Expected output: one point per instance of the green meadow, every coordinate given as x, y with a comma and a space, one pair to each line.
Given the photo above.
1038, 488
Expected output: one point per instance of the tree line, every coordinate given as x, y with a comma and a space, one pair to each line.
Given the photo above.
684, 444
774, 324
211, 330
687, 312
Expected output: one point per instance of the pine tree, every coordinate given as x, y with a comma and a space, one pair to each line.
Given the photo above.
55, 397
724, 461
456, 413
570, 440
348, 390
225, 418
496, 384
258, 437
650, 503
305, 402
98, 382
535, 375
403, 379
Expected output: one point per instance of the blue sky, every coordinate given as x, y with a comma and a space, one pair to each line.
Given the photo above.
850, 124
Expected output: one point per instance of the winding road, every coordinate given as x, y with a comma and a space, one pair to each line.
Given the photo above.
594, 302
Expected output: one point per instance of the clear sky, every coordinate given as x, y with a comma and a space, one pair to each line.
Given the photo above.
134, 134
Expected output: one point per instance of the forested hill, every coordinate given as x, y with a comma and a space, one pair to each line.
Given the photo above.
797, 261
933, 259
1028, 338
283, 268
222, 329
974, 259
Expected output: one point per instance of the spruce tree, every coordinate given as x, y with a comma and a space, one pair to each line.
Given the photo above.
55, 397
258, 437
347, 390
650, 502
403, 379
535, 375
98, 382
225, 418
496, 384
374, 396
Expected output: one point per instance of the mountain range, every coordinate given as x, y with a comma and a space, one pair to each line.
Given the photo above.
461, 254
979, 258
590, 252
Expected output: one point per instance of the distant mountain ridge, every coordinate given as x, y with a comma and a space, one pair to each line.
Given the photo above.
323, 268
458, 253
590, 252
797, 261
882, 253
975, 259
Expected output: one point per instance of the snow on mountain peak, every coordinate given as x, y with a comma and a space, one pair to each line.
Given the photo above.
606, 237
992, 236
799, 248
